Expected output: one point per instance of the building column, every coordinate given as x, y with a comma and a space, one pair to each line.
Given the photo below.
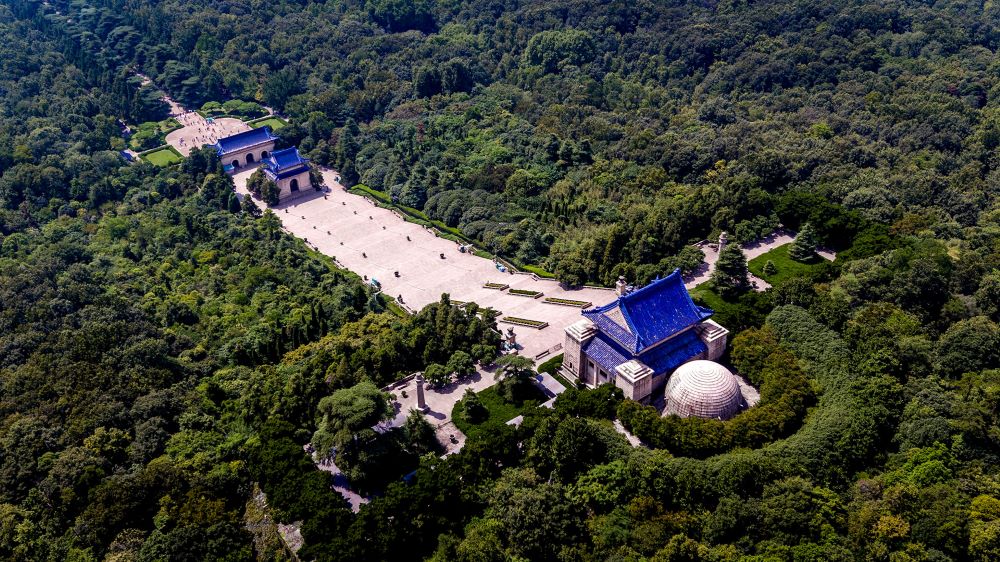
578, 335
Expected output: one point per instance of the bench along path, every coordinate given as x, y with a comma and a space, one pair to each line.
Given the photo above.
372, 241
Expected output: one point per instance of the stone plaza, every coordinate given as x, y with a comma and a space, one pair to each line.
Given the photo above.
377, 243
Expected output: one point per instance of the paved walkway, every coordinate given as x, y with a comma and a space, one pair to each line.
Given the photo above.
378, 244
340, 484
197, 131
632, 439
752, 250
549, 385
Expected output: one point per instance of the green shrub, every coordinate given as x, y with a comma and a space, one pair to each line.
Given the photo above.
601, 402
473, 410
437, 374
551, 365
785, 395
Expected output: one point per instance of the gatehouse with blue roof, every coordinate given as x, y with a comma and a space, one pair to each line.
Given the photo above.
289, 170
638, 340
245, 149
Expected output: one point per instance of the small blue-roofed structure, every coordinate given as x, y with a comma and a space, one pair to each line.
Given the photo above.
289, 170
285, 163
636, 341
246, 148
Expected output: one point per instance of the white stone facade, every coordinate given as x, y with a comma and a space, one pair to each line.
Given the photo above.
249, 156
293, 185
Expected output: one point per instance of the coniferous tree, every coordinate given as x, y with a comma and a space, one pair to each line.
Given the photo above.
731, 276
419, 434
803, 248
270, 193
472, 407
770, 268
250, 208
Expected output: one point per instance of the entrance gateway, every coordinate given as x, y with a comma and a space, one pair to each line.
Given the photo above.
289, 170
249, 146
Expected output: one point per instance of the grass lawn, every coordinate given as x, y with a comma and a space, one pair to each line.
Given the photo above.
274, 122
151, 133
163, 156
391, 306
786, 266
537, 271
705, 296
563, 380
500, 410
169, 124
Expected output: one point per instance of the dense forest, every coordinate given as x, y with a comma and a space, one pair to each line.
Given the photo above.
167, 351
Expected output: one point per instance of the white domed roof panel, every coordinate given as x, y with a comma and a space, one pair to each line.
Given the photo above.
704, 389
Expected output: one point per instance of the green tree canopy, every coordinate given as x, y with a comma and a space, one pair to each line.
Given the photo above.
348, 411
803, 248
731, 275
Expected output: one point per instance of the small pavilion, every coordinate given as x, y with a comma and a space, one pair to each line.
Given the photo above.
289, 170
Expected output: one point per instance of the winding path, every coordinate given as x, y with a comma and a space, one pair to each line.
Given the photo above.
752, 250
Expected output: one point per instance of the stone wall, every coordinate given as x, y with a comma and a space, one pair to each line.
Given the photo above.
250, 156
300, 182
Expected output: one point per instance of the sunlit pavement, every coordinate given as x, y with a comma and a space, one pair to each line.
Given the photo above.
373, 242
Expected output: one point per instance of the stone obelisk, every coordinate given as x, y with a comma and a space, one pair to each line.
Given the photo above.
421, 403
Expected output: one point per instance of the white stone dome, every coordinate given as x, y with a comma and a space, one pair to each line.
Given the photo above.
704, 389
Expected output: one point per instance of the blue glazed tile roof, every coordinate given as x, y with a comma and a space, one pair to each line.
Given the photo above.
608, 326
662, 359
669, 355
652, 314
239, 141
286, 158
605, 352
284, 174
285, 163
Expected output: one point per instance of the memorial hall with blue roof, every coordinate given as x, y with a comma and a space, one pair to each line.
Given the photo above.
289, 170
639, 339
286, 168
246, 148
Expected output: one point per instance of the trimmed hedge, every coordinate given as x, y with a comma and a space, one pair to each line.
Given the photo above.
785, 396
525, 293
537, 324
567, 302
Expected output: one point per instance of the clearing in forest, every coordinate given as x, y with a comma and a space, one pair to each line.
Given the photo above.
379, 244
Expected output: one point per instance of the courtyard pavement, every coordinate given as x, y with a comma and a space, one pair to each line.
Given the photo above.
439, 401
377, 243
413, 263
197, 131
